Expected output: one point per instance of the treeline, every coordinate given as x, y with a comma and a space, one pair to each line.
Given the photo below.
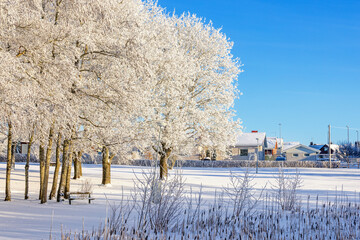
109, 76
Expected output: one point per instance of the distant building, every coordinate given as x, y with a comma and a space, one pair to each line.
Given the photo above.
324, 148
299, 152
273, 148
21, 147
287, 145
249, 146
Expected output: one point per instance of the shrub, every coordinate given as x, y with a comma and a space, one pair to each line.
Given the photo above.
286, 189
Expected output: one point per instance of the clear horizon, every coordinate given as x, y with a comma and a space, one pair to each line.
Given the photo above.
301, 64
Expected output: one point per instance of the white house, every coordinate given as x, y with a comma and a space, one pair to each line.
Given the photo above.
299, 152
249, 146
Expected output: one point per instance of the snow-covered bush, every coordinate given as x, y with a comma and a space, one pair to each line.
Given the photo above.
196, 220
234, 163
241, 193
158, 202
347, 150
286, 189
20, 158
86, 186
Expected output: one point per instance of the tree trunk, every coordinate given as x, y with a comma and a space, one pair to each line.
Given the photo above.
42, 167
68, 173
163, 166
106, 164
63, 171
77, 165
47, 166
80, 164
27, 165
13, 148
164, 156
57, 168
8, 165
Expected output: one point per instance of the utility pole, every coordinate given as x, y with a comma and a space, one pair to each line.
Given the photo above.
257, 155
330, 145
280, 138
348, 134
280, 130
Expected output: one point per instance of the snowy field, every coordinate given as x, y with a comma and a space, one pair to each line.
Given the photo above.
28, 219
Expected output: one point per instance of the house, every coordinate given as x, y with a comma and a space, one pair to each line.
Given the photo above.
287, 145
273, 149
324, 148
249, 146
21, 147
299, 152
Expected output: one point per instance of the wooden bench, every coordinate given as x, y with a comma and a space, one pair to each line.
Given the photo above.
80, 196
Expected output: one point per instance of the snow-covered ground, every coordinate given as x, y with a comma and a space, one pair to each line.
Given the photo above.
28, 219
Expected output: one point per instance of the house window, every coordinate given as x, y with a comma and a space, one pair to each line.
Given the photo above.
295, 154
306, 154
268, 152
243, 152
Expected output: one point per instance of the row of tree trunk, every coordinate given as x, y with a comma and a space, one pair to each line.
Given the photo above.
68, 158
44, 157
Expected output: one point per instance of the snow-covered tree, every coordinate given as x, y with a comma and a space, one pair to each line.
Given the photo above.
347, 150
110, 75
16, 92
115, 66
33, 34
194, 89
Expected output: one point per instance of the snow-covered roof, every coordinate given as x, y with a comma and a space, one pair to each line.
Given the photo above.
317, 146
301, 146
271, 142
250, 139
334, 147
287, 145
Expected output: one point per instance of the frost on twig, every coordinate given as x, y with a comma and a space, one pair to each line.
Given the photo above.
241, 193
86, 186
286, 188
158, 202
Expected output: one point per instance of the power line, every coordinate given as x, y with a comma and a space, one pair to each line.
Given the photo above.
346, 128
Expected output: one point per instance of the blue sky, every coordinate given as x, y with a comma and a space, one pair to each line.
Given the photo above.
301, 63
